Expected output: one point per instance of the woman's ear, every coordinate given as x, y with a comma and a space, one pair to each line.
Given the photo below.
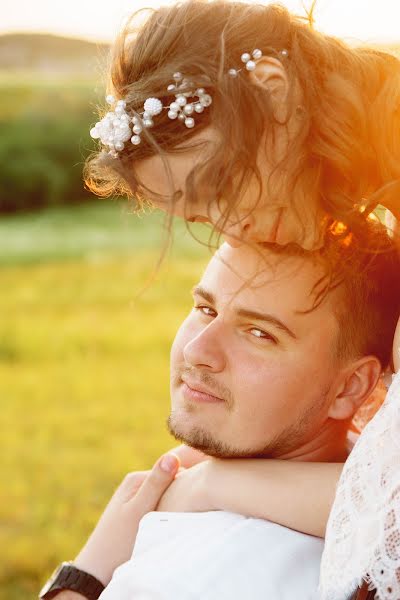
356, 384
271, 75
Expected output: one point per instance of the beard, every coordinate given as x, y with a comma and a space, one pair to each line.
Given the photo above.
286, 441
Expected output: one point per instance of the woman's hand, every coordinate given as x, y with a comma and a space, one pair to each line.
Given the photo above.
190, 490
188, 457
111, 543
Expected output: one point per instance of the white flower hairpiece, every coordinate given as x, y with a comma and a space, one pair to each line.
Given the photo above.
117, 126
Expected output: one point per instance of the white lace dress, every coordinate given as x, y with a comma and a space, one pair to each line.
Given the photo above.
363, 533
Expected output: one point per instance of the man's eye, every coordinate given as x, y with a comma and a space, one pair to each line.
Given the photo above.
259, 333
206, 310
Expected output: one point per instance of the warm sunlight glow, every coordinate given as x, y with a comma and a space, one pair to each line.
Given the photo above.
366, 20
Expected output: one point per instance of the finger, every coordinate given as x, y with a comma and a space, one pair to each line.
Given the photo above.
131, 483
189, 456
155, 484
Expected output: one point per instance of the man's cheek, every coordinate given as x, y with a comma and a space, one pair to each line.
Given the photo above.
185, 334
267, 391
176, 354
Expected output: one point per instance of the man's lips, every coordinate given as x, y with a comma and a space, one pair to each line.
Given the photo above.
198, 392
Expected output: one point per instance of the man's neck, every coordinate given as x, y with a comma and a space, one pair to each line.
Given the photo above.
329, 445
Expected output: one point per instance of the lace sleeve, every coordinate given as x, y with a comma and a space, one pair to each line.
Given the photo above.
363, 532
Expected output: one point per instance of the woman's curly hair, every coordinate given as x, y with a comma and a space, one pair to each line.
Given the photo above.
347, 148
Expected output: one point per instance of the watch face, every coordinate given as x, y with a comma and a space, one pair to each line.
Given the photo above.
51, 580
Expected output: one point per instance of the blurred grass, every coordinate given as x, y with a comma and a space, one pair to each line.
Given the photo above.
44, 139
90, 230
83, 372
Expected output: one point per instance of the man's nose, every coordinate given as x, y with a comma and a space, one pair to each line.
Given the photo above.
206, 350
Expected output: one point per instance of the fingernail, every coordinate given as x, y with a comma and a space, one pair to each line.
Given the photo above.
169, 463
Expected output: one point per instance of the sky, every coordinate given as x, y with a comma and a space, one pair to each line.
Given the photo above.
364, 20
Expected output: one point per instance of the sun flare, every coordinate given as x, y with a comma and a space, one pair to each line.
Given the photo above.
372, 21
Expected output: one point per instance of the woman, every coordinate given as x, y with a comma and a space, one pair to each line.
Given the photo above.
244, 117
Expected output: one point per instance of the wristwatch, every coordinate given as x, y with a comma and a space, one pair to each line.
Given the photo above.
69, 577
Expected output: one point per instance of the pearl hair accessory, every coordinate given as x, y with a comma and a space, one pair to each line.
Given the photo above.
250, 61
114, 129
117, 126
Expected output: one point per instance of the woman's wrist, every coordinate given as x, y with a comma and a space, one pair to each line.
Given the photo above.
88, 561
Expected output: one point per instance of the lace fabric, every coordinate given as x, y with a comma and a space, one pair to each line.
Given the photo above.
363, 532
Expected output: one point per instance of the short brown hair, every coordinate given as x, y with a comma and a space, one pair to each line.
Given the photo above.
368, 305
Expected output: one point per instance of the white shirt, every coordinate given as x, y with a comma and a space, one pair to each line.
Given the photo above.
217, 555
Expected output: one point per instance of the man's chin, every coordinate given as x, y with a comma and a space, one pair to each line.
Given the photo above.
201, 439
193, 436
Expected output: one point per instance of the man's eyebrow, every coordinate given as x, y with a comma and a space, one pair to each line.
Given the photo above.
253, 314
200, 291
248, 314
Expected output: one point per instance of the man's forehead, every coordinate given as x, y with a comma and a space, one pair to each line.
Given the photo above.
261, 279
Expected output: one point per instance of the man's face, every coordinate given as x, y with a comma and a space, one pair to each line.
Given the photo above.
250, 374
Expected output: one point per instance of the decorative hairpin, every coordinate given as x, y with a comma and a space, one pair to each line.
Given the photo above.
250, 61
117, 126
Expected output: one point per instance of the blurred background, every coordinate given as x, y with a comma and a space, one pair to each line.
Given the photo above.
85, 329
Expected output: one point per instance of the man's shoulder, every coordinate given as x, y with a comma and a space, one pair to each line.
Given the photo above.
217, 526
222, 556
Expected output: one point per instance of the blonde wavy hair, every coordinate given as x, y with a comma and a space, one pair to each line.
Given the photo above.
348, 147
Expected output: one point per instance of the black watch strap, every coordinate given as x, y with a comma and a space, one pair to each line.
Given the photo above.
69, 577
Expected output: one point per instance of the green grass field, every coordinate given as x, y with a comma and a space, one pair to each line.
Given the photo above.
84, 352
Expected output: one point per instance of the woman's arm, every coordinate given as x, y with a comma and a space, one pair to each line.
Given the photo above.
295, 494
112, 540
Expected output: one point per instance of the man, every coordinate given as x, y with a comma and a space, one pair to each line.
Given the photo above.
267, 364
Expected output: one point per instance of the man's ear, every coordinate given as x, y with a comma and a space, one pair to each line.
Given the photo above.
356, 384
270, 74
